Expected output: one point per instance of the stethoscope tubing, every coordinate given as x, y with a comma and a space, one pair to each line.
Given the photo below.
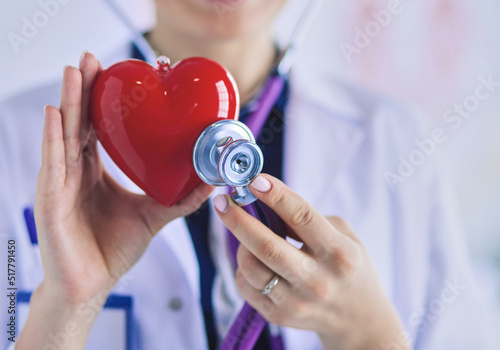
248, 325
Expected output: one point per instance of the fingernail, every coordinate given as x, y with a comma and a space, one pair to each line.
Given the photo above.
82, 56
220, 203
64, 69
261, 184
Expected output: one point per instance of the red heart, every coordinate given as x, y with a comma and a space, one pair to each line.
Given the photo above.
148, 119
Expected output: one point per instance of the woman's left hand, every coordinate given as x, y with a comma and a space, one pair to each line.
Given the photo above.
328, 286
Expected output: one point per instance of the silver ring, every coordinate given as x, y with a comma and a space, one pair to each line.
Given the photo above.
272, 283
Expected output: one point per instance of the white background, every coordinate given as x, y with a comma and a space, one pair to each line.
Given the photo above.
430, 54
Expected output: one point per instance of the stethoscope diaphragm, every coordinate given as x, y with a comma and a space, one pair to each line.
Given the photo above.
226, 154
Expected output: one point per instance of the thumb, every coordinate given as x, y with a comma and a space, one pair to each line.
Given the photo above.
159, 215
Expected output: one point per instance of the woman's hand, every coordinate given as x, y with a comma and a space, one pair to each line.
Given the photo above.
91, 230
328, 286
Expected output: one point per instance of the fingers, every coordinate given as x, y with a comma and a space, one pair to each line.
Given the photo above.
277, 307
71, 110
343, 227
157, 215
276, 253
310, 226
258, 275
53, 171
193, 200
252, 269
90, 68
75, 98
262, 303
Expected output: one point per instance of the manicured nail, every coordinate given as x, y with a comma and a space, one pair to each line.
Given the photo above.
82, 56
221, 203
261, 184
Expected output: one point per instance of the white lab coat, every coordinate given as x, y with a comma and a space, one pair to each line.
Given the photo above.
339, 143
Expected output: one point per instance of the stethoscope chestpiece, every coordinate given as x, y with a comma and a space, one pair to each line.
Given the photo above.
226, 154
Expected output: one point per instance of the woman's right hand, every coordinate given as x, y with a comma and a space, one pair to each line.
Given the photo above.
91, 231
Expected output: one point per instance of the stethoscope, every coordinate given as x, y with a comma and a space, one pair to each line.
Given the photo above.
226, 154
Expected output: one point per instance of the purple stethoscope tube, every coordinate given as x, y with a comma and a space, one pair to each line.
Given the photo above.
248, 325
269, 95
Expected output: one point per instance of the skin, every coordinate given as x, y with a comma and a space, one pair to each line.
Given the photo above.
92, 231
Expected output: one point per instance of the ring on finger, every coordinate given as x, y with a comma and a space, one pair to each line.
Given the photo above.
269, 287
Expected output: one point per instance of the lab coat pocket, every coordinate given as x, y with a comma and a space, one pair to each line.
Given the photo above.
113, 328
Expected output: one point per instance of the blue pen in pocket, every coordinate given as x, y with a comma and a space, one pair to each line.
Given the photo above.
29, 219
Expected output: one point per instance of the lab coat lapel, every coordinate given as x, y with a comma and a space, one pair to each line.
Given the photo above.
322, 133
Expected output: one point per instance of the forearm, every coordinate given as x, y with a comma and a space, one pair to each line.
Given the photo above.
51, 321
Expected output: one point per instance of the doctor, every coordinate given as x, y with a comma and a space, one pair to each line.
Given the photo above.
392, 274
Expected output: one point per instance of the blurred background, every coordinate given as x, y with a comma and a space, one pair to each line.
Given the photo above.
431, 54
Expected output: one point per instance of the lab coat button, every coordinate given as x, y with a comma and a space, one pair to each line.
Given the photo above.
175, 304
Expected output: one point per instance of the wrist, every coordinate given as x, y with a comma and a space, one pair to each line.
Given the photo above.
384, 330
387, 331
53, 321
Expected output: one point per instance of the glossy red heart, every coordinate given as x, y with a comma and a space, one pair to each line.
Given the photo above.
148, 119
